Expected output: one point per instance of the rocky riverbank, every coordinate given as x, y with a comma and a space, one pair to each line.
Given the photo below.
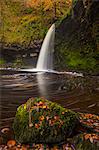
77, 130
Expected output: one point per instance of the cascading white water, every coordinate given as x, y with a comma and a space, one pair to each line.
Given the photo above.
45, 60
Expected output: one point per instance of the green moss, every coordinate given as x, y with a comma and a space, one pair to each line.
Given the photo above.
2, 61
72, 56
82, 144
77, 61
40, 120
18, 63
77, 41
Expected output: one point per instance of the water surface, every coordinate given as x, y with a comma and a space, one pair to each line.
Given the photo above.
77, 93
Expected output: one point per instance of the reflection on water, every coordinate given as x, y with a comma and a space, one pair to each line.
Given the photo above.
77, 93
42, 85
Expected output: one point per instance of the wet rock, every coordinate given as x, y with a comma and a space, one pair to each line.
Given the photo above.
62, 87
97, 89
5, 130
42, 121
6, 134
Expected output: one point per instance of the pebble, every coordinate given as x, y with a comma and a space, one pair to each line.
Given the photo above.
5, 130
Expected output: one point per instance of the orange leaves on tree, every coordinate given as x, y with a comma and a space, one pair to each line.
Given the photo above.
48, 4
33, 3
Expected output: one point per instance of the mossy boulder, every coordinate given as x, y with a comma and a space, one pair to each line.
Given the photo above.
42, 121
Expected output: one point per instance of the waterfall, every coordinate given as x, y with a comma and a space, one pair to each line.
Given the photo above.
45, 60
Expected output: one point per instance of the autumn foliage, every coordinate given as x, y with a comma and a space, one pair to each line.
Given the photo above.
47, 4
24, 21
56, 7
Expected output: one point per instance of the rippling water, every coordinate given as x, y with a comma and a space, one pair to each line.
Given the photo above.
77, 93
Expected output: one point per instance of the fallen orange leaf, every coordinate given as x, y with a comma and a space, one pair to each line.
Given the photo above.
44, 106
87, 136
23, 148
37, 125
11, 143
96, 137
41, 118
41, 103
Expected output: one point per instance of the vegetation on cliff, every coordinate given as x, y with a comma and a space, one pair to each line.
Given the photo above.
23, 22
78, 38
24, 25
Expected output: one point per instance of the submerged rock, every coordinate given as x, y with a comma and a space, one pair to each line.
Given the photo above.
42, 121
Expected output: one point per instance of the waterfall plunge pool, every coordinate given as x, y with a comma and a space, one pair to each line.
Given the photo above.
80, 94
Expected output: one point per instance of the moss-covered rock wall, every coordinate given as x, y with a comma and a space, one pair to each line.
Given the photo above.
78, 38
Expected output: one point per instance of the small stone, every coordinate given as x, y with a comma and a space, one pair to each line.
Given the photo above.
2, 147
18, 146
31, 125
7, 134
5, 130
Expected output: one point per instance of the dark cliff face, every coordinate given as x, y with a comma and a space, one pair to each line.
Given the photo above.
84, 18
77, 37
